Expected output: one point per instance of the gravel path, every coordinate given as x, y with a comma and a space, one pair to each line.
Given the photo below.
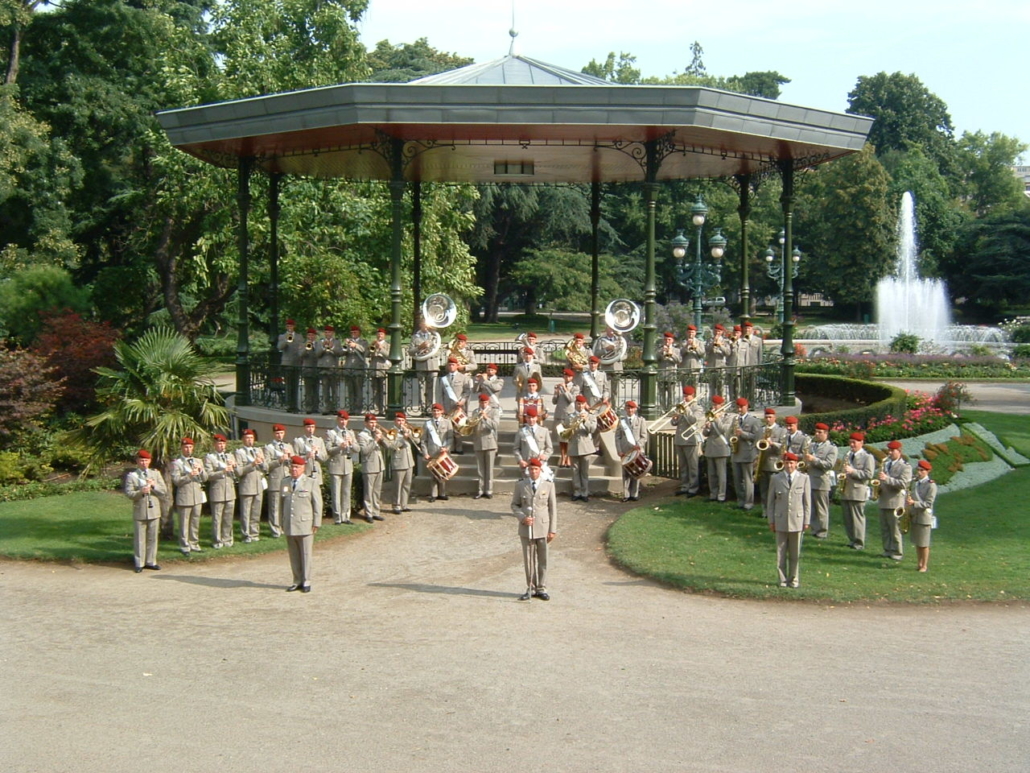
412, 654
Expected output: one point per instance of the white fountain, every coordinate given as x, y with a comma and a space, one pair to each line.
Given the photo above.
906, 302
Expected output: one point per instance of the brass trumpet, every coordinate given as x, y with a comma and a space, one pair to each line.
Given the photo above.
289, 338
567, 433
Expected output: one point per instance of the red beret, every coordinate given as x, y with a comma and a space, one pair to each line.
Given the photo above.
791, 420
736, 329
692, 327
790, 457
925, 464
492, 366
400, 415
857, 436
369, 416
595, 359
894, 444
667, 334
186, 440
719, 327
250, 432
309, 422
748, 323
689, 390
312, 331
579, 336
219, 437
343, 414
484, 398
437, 407
581, 398
355, 327
329, 329
297, 460
290, 322
742, 401
142, 454
534, 380
527, 350
718, 400
534, 462
452, 359
631, 404
381, 330
568, 372
531, 410
771, 412
531, 335
462, 337
821, 425
278, 428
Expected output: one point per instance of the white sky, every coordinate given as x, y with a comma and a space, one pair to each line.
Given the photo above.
973, 56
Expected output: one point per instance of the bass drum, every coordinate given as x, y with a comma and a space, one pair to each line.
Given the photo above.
636, 464
443, 466
607, 419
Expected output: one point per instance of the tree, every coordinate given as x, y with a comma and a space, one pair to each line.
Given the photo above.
32, 291
161, 393
621, 71
990, 266
74, 347
984, 164
906, 113
29, 391
560, 279
408, 61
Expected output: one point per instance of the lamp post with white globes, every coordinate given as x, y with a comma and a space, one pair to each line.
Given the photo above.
698, 277
775, 270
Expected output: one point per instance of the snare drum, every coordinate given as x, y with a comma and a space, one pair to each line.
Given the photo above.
636, 465
458, 417
607, 419
443, 466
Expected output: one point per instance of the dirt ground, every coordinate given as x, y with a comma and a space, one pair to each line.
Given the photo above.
412, 653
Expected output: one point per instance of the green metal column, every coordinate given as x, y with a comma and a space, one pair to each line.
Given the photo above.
246, 165
744, 213
595, 266
649, 373
395, 378
273, 265
787, 350
416, 236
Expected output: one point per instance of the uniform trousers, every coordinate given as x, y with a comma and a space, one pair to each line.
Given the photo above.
534, 558
274, 518
373, 492
890, 532
189, 526
354, 383
222, 514
485, 468
854, 522
690, 468
250, 514
379, 394
820, 513
788, 553
744, 484
330, 389
717, 477
630, 485
581, 476
402, 489
437, 487
144, 541
299, 549
340, 496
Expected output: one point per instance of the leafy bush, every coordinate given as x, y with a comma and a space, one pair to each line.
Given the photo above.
39, 489
877, 402
1021, 334
914, 366
950, 396
1021, 352
37, 289
74, 346
905, 343
28, 394
12, 469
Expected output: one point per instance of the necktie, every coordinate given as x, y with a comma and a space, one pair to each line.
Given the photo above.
294, 484
790, 480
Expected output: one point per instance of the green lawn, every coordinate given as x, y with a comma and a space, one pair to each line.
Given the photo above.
980, 552
96, 527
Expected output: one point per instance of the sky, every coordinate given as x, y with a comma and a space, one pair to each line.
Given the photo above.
971, 59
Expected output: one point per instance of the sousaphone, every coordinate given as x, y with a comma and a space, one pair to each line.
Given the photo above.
439, 312
622, 316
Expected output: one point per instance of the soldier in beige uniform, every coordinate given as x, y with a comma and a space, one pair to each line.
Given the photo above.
355, 354
747, 428
687, 442
535, 505
436, 440
454, 390
341, 445
402, 462
771, 457
329, 351
524, 371
379, 365
692, 353
669, 358
532, 441
424, 352
717, 450
302, 518
189, 477
821, 459
312, 448
920, 505
581, 448
631, 435
894, 477
277, 456
789, 509
221, 493
250, 468
145, 488
371, 442
289, 345
484, 443
489, 384
564, 401
859, 470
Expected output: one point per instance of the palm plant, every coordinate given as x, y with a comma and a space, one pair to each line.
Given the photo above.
162, 392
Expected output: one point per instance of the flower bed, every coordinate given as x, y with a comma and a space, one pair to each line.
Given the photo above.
871, 366
922, 416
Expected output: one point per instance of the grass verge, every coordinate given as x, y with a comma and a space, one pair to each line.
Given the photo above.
96, 527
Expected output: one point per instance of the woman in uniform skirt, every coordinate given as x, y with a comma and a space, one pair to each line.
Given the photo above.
920, 504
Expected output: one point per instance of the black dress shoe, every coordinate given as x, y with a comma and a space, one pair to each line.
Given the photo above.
635, 499
378, 518
443, 498
139, 569
347, 522
542, 595
368, 518
305, 589
584, 499
488, 496
526, 596
627, 499
292, 588
432, 499
154, 567
405, 509
478, 496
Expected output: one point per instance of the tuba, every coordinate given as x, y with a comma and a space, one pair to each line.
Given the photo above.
622, 316
439, 312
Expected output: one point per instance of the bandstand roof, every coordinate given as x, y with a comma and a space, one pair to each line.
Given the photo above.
514, 119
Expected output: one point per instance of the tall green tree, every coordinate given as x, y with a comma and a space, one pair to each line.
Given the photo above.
408, 61
984, 164
989, 269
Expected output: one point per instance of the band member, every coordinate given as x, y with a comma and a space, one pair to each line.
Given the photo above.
379, 364
489, 384
455, 387
532, 442
309, 369
593, 382
484, 443
533, 398
687, 441
795, 440
631, 435
531, 340
341, 445
526, 370
535, 505
669, 358
895, 477
355, 350
717, 449
577, 354
752, 343
329, 352
402, 462
859, 470
692, 354
250, 469
920, 505
747, 428
821, 459
789, 509
581, 448
313, 449
302, 518
189, 477
145, 488
716, 353
437, 438
221, 493
290, 344
734, 361
371, 443
564, 399
772, 457
277, 455
607, 347
421, 350
465, 354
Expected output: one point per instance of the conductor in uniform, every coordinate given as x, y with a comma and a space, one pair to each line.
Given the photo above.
789, 510
535, 505
302, 518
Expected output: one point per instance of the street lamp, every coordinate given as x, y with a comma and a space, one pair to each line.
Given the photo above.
774, 269
698, 277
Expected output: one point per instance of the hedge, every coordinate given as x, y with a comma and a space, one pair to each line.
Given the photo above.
877, 401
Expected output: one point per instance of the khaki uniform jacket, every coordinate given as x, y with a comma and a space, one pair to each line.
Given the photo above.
582, 442
489, 386
789, 506
894, 490
638, 426
564, 401
277, 468
685, 423
718, 354
341, 459
379, 357
484, 438
605, 346
444, 433
401, 457
370, 452
329, 351
856, 484
776, 436
751, 429
820, 471
249, 471
221, 484
542, 505
523, 373
668, 359
521, 446
304, 446
717, 437
135, 480
300, 515
355, 354
693, 354
924, 493
454, 387
290, 351
189, 490
597, 390
420, 341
